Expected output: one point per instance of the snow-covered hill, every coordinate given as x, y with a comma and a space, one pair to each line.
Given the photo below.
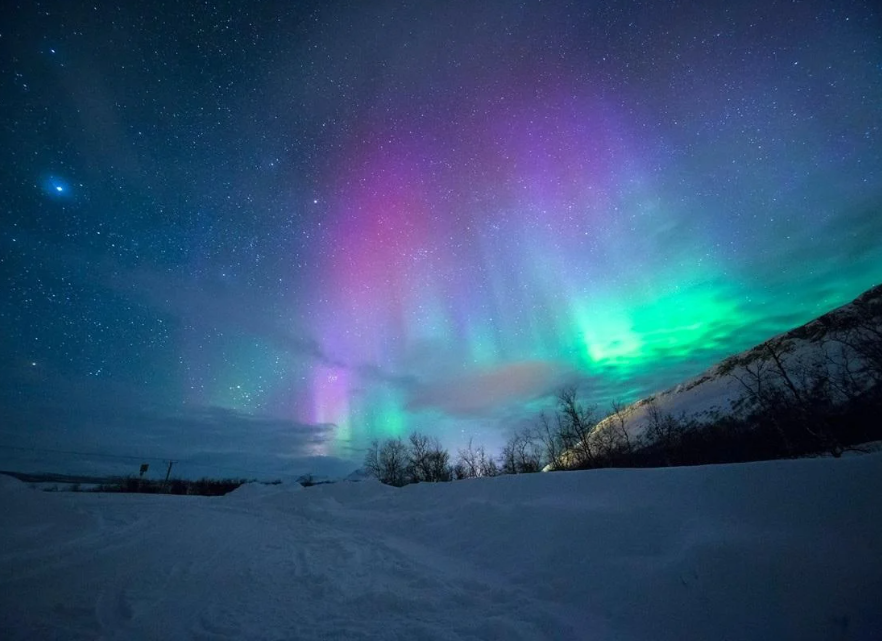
770, 550
832, 341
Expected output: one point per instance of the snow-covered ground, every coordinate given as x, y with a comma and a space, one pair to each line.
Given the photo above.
773, 550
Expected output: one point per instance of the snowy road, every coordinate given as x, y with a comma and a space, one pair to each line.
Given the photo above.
766, 550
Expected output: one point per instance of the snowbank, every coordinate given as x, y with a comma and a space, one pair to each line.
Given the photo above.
764, 550
8, 484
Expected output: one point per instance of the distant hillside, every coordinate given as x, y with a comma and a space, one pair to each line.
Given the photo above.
62, 478
817, 374
718, 389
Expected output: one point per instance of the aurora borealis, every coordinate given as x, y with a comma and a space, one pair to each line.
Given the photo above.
258, 233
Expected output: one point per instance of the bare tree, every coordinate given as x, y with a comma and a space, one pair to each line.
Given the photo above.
419, 451
865, 341
856, 363
861, 333
475, 463
760, 393
611, 440
554, 441
794, 396
578, 421
388, 462
373, 466
619, 417
663, 432
427, 460
440, 471
849, 381
522, 453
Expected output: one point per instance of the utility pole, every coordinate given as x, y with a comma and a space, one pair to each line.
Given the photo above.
170, 464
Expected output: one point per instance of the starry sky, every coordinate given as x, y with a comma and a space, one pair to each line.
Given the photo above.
254, 236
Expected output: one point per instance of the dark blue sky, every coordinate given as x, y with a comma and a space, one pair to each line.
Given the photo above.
254, 236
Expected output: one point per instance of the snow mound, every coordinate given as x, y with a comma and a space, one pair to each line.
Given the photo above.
259, 490
8, 484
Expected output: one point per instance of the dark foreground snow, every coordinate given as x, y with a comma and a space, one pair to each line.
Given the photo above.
767, 550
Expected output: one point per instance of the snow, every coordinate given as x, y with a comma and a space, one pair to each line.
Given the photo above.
776, 550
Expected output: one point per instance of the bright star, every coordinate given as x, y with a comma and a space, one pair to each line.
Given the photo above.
56, 186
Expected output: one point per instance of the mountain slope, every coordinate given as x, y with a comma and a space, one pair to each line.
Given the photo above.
839, 351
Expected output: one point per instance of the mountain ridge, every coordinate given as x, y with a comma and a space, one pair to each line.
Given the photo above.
847, 337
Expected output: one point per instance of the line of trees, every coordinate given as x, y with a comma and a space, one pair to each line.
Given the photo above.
562, 441
173, 486
826, 402
424, 459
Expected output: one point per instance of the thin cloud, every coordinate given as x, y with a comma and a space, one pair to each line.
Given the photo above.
486, 392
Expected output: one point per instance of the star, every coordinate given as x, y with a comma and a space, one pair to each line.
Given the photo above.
55, 186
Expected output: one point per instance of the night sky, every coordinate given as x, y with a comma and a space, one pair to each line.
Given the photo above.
254, 236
